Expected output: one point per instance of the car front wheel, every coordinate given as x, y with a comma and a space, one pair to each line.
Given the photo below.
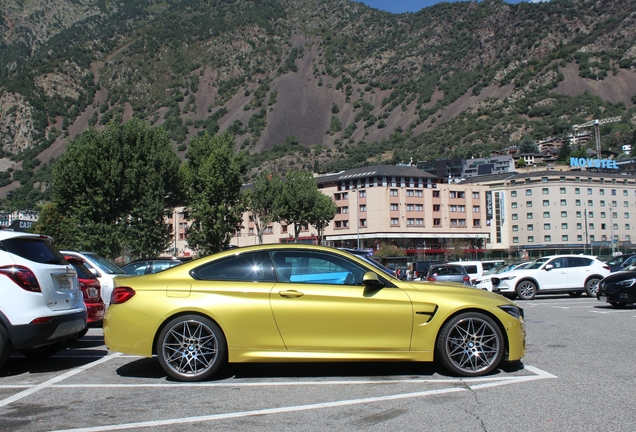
591, 287
470, 344
191, 348
526, 290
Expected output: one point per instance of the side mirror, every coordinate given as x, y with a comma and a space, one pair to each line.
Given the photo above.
548, 267
371, 280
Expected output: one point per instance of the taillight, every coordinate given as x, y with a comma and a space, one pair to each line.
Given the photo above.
431, 279
22, 277
466, 279
121, 295
606, 267
42, 320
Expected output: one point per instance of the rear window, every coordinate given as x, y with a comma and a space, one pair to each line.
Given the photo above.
82, 271
33, 249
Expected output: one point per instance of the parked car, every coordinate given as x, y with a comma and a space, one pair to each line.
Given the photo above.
40, 300
305, 303
477, 269
152, 265
621, 262
448, 273
421, 268
485, 281
572, 274
91, 292
105, 271
619, 288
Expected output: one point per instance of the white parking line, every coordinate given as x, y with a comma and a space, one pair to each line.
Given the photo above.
54, 380
487, 382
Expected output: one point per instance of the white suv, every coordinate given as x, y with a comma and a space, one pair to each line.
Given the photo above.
105, 271
572, 274
41, 304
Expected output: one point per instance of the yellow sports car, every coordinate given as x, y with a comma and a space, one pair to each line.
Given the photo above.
291, 302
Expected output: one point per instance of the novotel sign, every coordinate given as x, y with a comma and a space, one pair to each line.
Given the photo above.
593, 163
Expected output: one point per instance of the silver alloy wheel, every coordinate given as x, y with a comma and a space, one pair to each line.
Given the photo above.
473, 346
190, 348
591, 287
526, 290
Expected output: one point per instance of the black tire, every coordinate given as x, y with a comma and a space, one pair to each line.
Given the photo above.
191, 348
470, 344
575, 293
618, 305
526, 290
591, 287
43, 352
5, 346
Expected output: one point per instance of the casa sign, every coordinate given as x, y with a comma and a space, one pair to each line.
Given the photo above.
593, 163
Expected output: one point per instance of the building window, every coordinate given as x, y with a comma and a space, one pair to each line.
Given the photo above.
614, 204
625, 204
515, 227
564, 226
590, 203
395, 221
419, 207
577, 203
410, 221
251, 231
546, 203
436, 194
530, 239
601, 191
626, 215
544, 179
627, 227
410, 207
345, 196
602, 215
529, 216
577, 191
591, 225
394, 207
546, 215
579, 226
363, 208
419, 221
528, 192
363, 222
602, 203
513, 194
530, 227
564, 214
476, 223
562, 190
458, 222
393, 192
515, 239
625, 192
589, 191
578, 214
579, 237
546, 227
545, 191
564, 202
437, 222
436, 207
528, 203
564, 237
512, 205
514, 216
410, 192
613, 191
590, 214
475, 195
363, 194
547, 238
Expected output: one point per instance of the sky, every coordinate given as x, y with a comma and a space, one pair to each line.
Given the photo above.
399, 6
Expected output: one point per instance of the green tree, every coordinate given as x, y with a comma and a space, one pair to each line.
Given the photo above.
564, 152
118, 186
260, 201
324, 212
521, 163
389, 250
527, 145
298, 199
54, 223
212, 177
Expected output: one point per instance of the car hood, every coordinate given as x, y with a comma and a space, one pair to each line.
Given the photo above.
455, 289
619, 276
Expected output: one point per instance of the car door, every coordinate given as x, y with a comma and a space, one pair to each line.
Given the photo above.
320, 304
578, 269
555, 278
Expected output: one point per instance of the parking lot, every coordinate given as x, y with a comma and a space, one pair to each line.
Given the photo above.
578, 374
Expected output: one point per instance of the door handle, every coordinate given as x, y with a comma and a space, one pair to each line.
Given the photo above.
290, 294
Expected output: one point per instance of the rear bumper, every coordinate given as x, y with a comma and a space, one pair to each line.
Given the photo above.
95, 313
61, 327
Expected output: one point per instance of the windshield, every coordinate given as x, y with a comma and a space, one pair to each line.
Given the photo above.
374, 263
103, 264
536, 264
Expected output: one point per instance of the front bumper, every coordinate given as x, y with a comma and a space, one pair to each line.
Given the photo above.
615, 294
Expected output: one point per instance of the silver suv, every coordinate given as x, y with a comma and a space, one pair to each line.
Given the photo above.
41, 303
572, 274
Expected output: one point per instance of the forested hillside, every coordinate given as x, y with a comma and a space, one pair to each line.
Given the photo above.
320, 85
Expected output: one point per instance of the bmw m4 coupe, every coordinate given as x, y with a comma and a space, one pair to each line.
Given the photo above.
292, 303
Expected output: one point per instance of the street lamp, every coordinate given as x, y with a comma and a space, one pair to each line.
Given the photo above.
586, 237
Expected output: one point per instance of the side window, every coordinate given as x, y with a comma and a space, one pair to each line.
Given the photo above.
316, 268
579, 262
158, 266
471, 269
247, 267
558, 262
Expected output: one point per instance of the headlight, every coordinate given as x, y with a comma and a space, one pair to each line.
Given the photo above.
508, 278
626, 283
513, 310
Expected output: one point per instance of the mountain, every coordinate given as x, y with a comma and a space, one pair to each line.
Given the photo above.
315, 84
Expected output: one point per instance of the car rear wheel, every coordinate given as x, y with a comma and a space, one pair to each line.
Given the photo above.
470, 344
591, 287
5, 346
191, 348
575, 293
618, 305
526, 290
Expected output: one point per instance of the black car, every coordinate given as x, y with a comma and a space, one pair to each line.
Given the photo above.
621, 262
152, 265
618, 289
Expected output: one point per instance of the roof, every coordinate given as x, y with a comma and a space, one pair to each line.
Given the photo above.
377, 170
